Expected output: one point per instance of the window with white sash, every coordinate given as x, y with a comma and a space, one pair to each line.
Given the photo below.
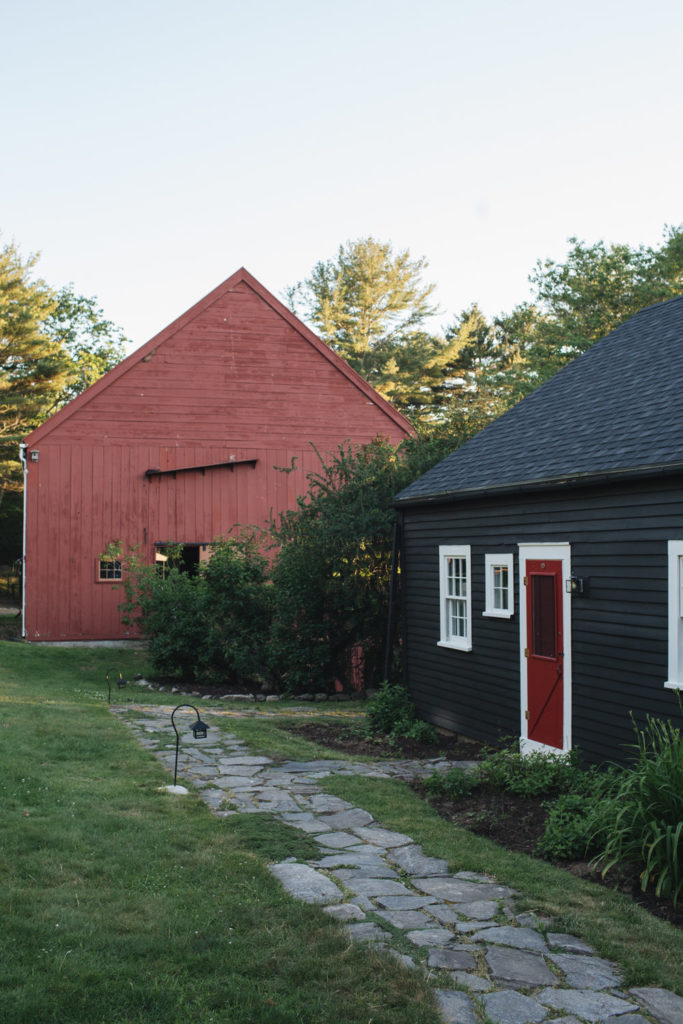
500, 602
675, 675
455, 597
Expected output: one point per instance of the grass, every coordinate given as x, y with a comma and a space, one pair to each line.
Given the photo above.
121, 904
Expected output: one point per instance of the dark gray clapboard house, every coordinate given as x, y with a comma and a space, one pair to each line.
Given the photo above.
543, 560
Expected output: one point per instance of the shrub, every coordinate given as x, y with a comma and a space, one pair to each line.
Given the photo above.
641, 823
391, 712
454, 783
236, 606
535, 774
212, 626
333, 571
567, 833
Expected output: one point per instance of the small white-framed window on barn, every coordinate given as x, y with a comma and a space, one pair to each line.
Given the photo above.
109, 570
455, 597
500, 601
675, 672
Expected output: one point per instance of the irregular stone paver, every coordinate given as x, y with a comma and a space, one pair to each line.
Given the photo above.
519, 967
457, 890
452, 920
411, 859
587, 971
472, 981
568, 943
307, 884
513, 1008
585, 1004
451, 960
367, 931
455, 1007
382, 837
377, 887
430, 937
405, 902
519, 938
344, 820
480, 910
666, 1006
405, 918
345, 912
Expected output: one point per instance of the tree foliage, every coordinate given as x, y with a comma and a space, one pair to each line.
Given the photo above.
52, 346
370, 305
34, 368
93, 344
331, 576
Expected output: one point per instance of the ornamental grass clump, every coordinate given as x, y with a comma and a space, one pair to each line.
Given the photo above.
641, 824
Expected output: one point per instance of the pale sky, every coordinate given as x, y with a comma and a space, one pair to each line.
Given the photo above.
149, 149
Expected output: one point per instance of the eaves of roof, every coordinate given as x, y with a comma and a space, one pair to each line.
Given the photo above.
531, 486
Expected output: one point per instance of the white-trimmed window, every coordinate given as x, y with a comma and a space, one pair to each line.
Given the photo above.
109, 570
500, 602
455, 597
675, 678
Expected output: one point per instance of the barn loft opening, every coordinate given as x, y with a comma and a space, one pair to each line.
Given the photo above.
186, 557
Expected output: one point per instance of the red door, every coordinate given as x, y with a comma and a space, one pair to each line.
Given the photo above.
544, 652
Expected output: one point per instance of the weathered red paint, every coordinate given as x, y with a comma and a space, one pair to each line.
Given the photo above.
228, 395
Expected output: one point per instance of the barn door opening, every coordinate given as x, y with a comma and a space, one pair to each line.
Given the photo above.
545, 648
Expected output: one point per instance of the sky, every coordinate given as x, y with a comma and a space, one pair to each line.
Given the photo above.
150, 149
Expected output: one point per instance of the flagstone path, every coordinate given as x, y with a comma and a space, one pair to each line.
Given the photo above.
485, 958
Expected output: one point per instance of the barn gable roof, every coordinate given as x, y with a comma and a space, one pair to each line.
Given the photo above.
147, 351
615, 410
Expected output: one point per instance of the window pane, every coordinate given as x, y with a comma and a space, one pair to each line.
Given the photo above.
500, 587
543, 616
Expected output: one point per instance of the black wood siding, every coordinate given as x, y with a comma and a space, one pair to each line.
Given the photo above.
618, 536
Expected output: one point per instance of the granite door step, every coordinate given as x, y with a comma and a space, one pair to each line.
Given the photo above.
486, 961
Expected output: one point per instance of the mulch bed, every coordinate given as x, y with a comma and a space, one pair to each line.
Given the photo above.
514, 822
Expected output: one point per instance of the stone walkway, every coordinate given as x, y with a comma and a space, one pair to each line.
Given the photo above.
483, 956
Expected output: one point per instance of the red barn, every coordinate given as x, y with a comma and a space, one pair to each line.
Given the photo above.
181, 442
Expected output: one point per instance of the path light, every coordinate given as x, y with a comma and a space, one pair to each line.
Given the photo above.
120, 682
199, 731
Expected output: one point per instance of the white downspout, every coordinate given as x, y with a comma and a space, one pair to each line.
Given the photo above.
22, 456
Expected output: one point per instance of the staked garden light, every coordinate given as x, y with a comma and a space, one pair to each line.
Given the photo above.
120, 682
199, 731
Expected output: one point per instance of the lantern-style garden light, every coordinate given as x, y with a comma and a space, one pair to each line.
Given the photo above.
120, 682
199, 731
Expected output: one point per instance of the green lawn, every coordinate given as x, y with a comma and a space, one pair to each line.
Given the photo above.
122, 904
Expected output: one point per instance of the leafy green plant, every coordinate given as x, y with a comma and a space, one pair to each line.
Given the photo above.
454, 783
535, 774
567, 833
212, 626
641, 823
391, 712
333, 571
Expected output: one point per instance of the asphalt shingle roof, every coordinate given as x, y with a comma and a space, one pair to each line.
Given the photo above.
617, 408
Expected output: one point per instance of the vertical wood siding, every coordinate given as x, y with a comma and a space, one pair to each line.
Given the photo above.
236, 382
618, 537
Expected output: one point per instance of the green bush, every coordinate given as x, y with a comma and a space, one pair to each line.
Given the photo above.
454, 783
535, 774
641, 823
332, 575
567, 833
391, 712
213, 626
167, 609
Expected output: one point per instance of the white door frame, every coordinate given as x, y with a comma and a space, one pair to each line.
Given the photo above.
556, 553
